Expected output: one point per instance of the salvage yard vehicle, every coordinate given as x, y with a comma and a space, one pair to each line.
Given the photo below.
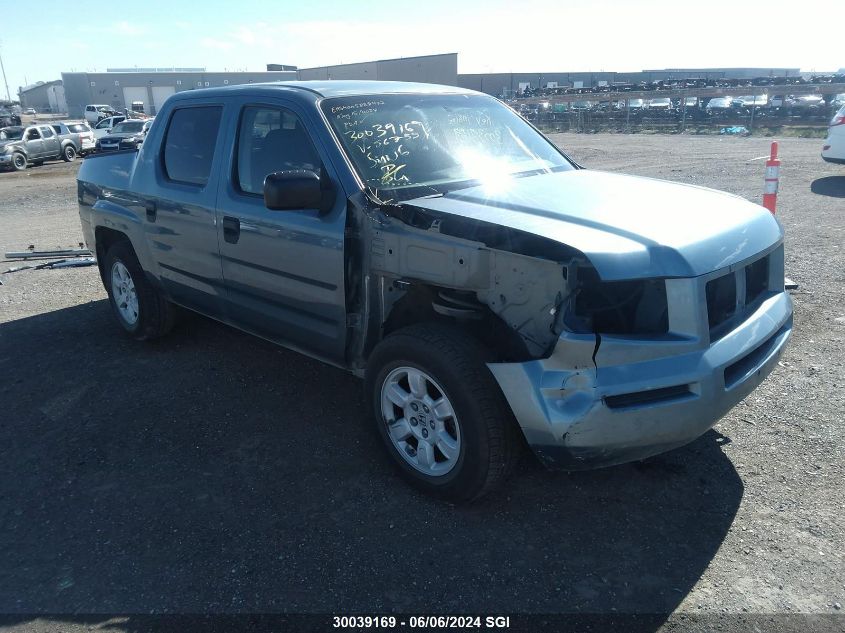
833, 150
64, 133
32, 145
94, 113
104, 126
127, 134
86, 135
429, 240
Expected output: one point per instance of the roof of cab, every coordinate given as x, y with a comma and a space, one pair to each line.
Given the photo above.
328, 89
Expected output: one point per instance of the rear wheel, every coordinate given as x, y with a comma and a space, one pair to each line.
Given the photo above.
139, 307
69, 153
440, 413
18, 161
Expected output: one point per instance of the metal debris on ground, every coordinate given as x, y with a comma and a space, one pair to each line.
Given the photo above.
33, 254
62, 263
788, 284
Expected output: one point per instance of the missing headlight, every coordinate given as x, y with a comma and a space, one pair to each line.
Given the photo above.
618, 307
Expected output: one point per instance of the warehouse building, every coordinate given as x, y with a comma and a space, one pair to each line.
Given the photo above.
148, 88
431, 69
44, 96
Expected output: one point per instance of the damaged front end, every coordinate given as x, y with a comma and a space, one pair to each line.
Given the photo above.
655, 373
597, 371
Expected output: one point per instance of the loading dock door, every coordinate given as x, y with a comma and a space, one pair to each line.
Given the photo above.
160, 94
135, 94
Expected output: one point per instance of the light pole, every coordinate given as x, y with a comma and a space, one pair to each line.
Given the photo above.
5, 81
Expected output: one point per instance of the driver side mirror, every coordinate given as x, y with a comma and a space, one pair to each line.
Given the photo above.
297, 189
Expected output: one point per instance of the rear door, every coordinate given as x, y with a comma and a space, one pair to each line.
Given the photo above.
52, 145
179, 205
283, 270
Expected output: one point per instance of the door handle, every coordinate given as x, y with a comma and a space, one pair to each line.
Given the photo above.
151, 210
231, 229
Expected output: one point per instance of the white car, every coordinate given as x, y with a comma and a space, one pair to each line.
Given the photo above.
664, 104
833, 150
95, 112
104, 127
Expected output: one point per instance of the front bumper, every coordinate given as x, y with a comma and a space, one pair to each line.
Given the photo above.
598, 402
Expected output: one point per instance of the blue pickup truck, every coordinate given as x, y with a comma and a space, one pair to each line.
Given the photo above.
489, 291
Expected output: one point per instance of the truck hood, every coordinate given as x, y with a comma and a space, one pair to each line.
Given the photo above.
8, 142
629, 227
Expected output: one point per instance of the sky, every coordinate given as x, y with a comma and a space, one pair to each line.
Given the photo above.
488, 35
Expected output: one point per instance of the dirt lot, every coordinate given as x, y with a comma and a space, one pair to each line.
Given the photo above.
213, 472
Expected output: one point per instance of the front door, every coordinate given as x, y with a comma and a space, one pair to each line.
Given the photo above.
283, 270
33, 143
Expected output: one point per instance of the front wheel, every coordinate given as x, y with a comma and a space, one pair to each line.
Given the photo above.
69, 153
140, 309
440, 413
18, 161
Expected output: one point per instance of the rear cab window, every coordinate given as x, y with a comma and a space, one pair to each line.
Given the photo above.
189, 143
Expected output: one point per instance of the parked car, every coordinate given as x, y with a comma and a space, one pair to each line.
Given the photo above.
660, 105
719, 106
86, 135
105, 126
128, 134
30, 111
748, 101
635, 105
21, 146
9, 118
429, 240
95, 113
806, 104
833, 150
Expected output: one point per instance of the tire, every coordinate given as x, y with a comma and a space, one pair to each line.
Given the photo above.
140, 309
18, 161
69, 153
480, 437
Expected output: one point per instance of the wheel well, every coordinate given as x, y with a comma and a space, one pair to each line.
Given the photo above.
104, 239
423, 303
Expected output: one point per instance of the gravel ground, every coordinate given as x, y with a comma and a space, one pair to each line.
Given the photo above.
212, 472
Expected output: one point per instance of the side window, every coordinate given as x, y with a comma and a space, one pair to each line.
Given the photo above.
189, 144
33, 135
271, 140
103, 125
47, 132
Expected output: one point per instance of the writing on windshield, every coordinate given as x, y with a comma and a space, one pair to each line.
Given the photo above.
403, 141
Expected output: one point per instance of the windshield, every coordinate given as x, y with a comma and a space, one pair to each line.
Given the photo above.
404, 146
11, 134
78, 127
661, 101
128, 126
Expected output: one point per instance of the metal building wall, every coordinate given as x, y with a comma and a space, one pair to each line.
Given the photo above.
437, 69
109, 88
